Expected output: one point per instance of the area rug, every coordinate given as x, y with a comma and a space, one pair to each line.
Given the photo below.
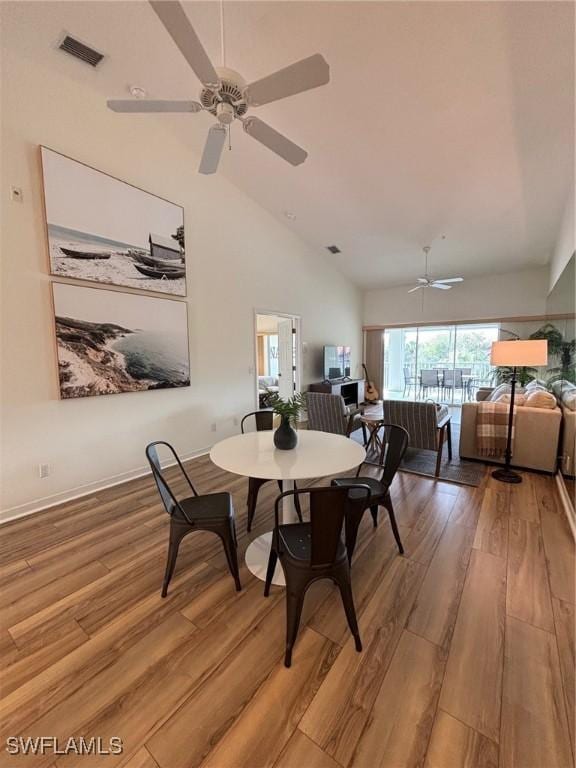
420, 462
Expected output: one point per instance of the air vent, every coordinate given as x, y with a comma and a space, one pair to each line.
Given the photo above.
333, 249
81, 51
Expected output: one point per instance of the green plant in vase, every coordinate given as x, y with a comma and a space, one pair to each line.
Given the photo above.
289, 409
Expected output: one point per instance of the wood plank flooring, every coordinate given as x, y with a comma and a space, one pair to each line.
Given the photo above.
468, 657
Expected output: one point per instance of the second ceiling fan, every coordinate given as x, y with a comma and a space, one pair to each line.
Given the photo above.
443, 283
226, 95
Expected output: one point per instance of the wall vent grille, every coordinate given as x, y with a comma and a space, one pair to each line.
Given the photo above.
81, 51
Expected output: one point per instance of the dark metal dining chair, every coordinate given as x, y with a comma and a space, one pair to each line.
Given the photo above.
393, 444
264, 421
208, 512
312, 551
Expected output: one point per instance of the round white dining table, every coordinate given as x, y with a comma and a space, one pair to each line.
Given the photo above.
253, 454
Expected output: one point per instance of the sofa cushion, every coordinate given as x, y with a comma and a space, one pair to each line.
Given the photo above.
503, 389
518, 399
569, 399
536, 384
538, 398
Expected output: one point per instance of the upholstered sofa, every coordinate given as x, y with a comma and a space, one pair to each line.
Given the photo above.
565, 393
536, 435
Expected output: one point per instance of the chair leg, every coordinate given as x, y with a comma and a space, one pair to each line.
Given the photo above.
348, 602
297, 505
229, 541
365, 437
374, 513
439, 454
176, 537
252, 500
272, 560
294, 603
393, 525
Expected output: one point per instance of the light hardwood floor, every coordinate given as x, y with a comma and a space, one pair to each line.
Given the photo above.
468, 639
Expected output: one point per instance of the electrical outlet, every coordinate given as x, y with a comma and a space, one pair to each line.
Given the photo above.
43, 470
213, 427
16, 194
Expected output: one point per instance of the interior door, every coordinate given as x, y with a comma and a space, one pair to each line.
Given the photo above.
285, 358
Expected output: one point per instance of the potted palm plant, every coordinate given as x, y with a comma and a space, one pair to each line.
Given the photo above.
286, 437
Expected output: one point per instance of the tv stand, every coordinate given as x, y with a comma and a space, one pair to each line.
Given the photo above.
352, 390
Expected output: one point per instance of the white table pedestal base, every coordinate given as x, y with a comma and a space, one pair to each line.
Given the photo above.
258, 551
257, 559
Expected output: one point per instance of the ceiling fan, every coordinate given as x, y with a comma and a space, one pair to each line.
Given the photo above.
226, 95
429, 282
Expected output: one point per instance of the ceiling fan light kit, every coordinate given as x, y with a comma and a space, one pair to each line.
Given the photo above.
225, 93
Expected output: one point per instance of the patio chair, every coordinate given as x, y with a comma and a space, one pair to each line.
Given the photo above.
428, 380
409, 381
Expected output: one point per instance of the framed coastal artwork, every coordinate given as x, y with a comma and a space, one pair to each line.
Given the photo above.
110, 342
107, 231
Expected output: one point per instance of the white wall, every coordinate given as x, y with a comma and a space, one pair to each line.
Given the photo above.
565, 242
494, 296
239, 258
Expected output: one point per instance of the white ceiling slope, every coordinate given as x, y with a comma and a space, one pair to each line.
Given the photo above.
452, 118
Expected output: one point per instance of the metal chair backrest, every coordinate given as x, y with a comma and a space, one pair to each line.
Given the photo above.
168, 498
458, 378
264, 420
429, 377
328, 507
394, 442
407, 375
326, 413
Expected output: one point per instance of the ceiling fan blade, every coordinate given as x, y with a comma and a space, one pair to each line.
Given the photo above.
301, 76
275, 141
449, 280
149, 105
415, 289
178, 26
213, 149
441, 286
423, 280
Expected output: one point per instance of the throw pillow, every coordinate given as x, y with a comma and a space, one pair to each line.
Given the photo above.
503, 389
569, 400
518, 399
540, 399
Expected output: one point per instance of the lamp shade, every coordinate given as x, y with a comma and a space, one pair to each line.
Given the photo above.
519, 353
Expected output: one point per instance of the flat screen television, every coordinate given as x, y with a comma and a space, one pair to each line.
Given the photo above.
336, 362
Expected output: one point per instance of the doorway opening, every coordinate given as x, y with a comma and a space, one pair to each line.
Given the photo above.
277, 355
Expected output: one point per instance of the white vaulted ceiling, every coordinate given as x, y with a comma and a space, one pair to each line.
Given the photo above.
441, 118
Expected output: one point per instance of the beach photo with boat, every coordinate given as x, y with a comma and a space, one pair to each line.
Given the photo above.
110, 342
107, 231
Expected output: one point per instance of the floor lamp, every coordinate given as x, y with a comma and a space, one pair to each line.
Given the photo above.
515, 354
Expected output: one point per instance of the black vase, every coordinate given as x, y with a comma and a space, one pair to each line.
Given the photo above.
285, 437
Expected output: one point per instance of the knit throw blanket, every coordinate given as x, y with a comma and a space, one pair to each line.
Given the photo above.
492, 429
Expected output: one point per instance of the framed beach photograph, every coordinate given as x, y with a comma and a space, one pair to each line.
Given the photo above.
107, 231
110, 342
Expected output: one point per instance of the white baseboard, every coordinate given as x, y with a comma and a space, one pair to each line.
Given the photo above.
45, 502
567, 502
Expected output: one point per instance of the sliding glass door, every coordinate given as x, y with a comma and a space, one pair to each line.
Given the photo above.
443, 363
